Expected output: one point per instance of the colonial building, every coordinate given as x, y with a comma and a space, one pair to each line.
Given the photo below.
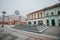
52, 15
49, 16
35, 18
13, 19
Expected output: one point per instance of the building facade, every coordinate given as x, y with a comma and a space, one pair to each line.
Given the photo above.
49, 16
35, 18
52, 15
13, 19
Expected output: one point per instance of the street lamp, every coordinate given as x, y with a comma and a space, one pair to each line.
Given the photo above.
4, 12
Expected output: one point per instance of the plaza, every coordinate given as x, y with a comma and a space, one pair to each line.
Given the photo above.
29, 20
52, 33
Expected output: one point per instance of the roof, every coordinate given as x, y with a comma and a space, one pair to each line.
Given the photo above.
35, 12
53, 6
46, 8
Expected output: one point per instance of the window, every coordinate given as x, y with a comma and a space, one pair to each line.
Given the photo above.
34, 15
38, 15
41, 14
40, 22
47, 14
34, 22
52, 13
58, 12
59, 22
29, 23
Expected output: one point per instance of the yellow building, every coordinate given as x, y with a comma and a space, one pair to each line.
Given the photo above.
35, 18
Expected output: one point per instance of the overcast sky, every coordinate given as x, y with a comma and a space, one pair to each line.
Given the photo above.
24, 6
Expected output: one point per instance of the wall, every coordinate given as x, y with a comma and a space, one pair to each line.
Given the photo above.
50, 17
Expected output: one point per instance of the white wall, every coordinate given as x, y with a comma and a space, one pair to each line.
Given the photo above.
32, 21
55, 10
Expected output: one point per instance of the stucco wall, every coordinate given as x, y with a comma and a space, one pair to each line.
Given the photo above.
32, 21
50, 17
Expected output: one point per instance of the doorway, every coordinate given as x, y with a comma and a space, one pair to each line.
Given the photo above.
29, 23
34, 22
53, 22
47, 22
40, 22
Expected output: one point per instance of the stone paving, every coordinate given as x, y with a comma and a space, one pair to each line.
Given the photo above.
31, 28
54, 31
51, 30
24, 35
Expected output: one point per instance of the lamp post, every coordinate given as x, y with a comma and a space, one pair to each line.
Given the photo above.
4, 12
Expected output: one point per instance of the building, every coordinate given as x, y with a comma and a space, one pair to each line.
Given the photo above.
52, 15
23, 20
35, 18
49, 16
13, 19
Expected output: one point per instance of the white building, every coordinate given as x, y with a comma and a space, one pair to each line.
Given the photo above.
35, 18
49, 16
52, 15
13, 19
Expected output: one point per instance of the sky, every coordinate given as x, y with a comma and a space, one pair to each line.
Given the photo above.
24, 6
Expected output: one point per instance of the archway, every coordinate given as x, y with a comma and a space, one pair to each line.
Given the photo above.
53, 22
47, 22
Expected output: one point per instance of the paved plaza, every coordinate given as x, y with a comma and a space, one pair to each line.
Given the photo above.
31, 28
26, 35
50, 30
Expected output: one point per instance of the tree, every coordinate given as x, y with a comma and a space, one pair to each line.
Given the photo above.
17, 12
